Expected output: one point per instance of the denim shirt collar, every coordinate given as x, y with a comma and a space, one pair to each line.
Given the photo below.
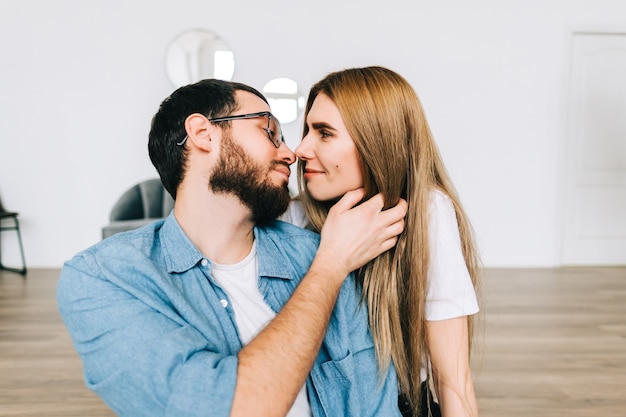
181, 254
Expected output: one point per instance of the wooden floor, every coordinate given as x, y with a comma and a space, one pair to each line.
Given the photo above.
552, 343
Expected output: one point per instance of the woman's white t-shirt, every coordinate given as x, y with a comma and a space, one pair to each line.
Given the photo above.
449, 292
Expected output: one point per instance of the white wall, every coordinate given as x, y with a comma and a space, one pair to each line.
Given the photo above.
80, 81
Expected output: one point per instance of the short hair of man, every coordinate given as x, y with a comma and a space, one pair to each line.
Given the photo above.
211, 97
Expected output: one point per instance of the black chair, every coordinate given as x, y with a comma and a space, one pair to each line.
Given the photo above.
10, 216
139, 205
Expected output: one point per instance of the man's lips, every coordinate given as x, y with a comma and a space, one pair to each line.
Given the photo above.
283, 170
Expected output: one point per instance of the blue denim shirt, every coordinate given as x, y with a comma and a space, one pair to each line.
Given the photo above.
157, 335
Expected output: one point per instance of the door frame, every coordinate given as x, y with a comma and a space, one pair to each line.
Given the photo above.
565, 173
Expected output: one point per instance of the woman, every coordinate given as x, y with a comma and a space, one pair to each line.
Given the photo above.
365, 127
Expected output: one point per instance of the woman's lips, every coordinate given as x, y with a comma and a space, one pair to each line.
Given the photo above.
310, 173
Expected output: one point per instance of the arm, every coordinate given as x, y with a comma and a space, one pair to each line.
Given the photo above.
450, 299
139, 354
274, 366
449, 355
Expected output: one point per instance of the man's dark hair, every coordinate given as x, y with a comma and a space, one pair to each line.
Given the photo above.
213, 98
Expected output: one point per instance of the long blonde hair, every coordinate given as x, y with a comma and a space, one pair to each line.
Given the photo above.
399, 159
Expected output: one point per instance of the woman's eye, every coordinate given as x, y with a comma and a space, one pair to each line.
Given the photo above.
324, 133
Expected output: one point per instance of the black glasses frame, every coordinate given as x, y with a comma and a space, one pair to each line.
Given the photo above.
275, 137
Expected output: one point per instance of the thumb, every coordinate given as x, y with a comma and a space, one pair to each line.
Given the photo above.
349, 200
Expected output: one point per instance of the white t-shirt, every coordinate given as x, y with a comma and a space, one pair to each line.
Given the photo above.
252, 314
449, 291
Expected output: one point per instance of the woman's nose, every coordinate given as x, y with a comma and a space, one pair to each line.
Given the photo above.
304, 150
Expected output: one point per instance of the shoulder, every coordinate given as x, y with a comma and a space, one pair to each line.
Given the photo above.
287, 237
441, 212
129, 246
140, 238
440, 202
123, 260
285, 233
285, 250
295, 214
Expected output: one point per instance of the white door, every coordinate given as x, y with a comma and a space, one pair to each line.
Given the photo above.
594, 223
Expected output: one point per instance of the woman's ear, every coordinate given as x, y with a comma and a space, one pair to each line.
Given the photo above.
200, 131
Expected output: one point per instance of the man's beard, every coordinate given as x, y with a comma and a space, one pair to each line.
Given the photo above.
237, 173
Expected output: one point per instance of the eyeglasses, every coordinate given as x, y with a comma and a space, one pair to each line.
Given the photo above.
273, 130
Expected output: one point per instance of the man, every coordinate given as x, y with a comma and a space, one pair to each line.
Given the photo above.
219, 310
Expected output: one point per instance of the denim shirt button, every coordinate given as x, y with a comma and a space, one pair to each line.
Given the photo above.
224, 303
204, 262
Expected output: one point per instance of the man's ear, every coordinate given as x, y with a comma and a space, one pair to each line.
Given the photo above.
200, 131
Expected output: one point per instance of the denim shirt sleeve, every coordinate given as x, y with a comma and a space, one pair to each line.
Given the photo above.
161, 365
